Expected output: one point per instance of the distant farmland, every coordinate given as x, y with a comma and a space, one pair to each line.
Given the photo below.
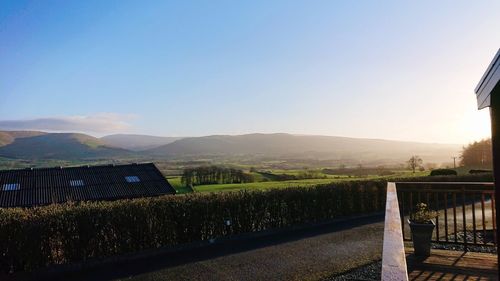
263, 185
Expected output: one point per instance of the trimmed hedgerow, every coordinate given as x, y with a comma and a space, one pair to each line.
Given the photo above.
474, 171
443, 172
74, 232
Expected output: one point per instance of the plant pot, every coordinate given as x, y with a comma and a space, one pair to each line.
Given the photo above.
421, 234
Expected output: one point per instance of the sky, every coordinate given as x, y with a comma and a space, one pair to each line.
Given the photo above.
402, 70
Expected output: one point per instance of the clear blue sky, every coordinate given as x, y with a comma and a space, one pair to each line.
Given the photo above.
381, 69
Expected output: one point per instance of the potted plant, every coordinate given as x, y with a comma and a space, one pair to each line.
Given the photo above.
422, 225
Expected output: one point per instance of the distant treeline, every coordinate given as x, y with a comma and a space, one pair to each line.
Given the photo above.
477, 154
359, 171
214, 175
300, 176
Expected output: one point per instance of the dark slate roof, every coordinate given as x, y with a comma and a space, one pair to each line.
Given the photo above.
32, 187
489, 84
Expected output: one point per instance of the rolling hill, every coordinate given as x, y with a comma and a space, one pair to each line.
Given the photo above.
72, 146
8, 137
136, 142
39, 145
306, 147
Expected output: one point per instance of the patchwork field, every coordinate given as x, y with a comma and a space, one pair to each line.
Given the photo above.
265, 184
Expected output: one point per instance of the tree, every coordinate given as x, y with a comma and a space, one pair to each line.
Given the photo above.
477, 154
415, 162
214, 175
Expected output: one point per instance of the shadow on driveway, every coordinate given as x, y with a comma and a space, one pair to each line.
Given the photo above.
158, 262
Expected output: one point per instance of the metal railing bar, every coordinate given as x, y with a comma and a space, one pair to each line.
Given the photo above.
464, 221
493, 215
436, 199
446, 216
442, 190
470, 193
442, 242
455, 216
402, 215
483, 218
474, 218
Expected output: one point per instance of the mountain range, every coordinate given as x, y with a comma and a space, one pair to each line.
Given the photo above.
137, 142
306, 147
42, 145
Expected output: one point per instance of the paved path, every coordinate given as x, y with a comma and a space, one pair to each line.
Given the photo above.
307, 254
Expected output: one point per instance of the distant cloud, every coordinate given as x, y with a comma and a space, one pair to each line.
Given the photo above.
97, 123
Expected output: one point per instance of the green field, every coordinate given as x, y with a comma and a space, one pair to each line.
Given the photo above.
263, 185
175, 182
264, 179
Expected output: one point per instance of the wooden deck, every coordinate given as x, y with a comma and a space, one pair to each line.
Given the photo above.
452, 265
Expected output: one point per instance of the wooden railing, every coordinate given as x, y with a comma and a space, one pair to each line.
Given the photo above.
393, 254
466, 217
466, 211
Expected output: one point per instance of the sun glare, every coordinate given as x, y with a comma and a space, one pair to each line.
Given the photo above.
476, 125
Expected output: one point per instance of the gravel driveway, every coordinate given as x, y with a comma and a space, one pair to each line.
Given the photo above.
307, 253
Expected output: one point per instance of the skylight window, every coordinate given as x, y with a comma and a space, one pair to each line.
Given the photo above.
75, 183
11, 186
132, 179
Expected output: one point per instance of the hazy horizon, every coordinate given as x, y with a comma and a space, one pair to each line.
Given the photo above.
379, 70
243, 134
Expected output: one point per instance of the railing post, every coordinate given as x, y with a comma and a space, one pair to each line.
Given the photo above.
393, 255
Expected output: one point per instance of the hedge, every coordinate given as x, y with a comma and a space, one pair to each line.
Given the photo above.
74, 232
443, 172
479, 171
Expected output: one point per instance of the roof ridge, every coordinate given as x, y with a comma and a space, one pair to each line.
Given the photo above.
80, 166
